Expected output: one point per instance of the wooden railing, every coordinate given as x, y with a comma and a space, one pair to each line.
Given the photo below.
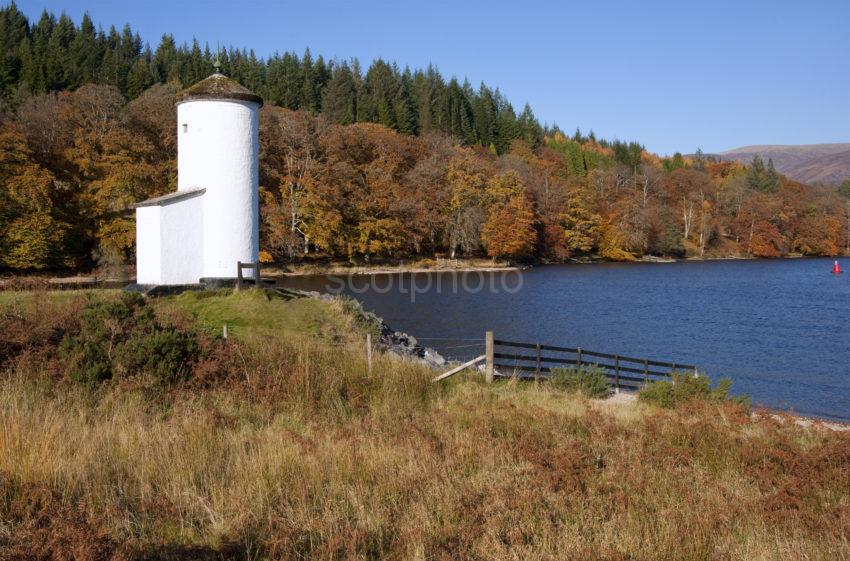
534, 360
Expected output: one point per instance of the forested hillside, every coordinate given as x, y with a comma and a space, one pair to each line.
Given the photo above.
384, 165
822, 164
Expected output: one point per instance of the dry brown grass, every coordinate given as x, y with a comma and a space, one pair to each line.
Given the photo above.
293, 450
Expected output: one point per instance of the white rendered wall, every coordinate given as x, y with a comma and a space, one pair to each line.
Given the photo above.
181, 228
168, 242
148, 261
218, 149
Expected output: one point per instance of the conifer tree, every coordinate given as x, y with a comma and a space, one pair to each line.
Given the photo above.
14, 29
530, 128
508, 128
291, 80
485, 111
167, 63
140, 78
405, 116
378, 94
310, 99
339, 104
86, 53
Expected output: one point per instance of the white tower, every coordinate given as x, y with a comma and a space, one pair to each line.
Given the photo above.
218, 150
212, 221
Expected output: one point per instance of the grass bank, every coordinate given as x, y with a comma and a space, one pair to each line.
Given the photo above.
283, 445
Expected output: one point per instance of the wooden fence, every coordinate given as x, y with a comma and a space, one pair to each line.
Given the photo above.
511, 359
533, 360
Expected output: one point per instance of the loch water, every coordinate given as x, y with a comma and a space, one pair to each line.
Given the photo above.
780, 329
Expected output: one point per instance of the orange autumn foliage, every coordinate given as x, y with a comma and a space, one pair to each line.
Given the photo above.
510, 230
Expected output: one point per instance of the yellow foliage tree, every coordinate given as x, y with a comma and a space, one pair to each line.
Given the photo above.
580, 222
31, 237
379, 237
612, 242
510, 229
503, 187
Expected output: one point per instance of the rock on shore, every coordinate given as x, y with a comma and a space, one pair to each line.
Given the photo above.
391, 341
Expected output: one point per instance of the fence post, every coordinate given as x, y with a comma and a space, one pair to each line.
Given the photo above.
224, 332
578, 357
537, 371
488, 353
239, 275
617, 372
369, 351
646, 371
257, 279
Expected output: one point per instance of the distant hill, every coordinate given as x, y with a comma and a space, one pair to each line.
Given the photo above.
827, 164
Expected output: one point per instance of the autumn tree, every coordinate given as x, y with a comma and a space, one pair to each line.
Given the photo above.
755, 226
32, 236
467, 210
291, 153
510, 229
580, 222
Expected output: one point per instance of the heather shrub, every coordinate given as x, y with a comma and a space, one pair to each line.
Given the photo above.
123, 337
589, 381
685, 387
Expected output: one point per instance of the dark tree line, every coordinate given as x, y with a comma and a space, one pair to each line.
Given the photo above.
55, 54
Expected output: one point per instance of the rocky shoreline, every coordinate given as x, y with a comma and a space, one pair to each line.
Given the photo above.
392, 342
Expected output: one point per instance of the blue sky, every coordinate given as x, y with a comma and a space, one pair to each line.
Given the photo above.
671, 75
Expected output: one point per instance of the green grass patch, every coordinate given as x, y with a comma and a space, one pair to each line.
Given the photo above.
685, 387
253, 315
589, 381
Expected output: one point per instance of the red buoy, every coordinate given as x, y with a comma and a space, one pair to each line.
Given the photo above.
836, 268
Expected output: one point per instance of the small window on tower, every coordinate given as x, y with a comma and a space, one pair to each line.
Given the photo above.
185, 127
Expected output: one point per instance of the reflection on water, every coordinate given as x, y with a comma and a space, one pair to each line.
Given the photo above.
780, 329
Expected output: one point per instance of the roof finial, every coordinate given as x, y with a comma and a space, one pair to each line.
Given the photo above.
217, 64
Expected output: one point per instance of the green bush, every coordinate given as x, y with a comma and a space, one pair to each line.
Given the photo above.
123, 338
685, 387
164, 353
590, 381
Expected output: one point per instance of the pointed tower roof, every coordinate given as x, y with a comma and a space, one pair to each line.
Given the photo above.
218, 86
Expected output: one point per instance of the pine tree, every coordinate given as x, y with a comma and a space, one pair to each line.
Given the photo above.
458, 114
58, 65
111, 67
86, 54
530, 128
290, 81
14, 31
485, 112
508, 127
310, 100
674, 163
405, 115
167, 64
771, 177
577, 137
339, 104
377, 96
37, 57
140, 78
321, 76
761, 178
